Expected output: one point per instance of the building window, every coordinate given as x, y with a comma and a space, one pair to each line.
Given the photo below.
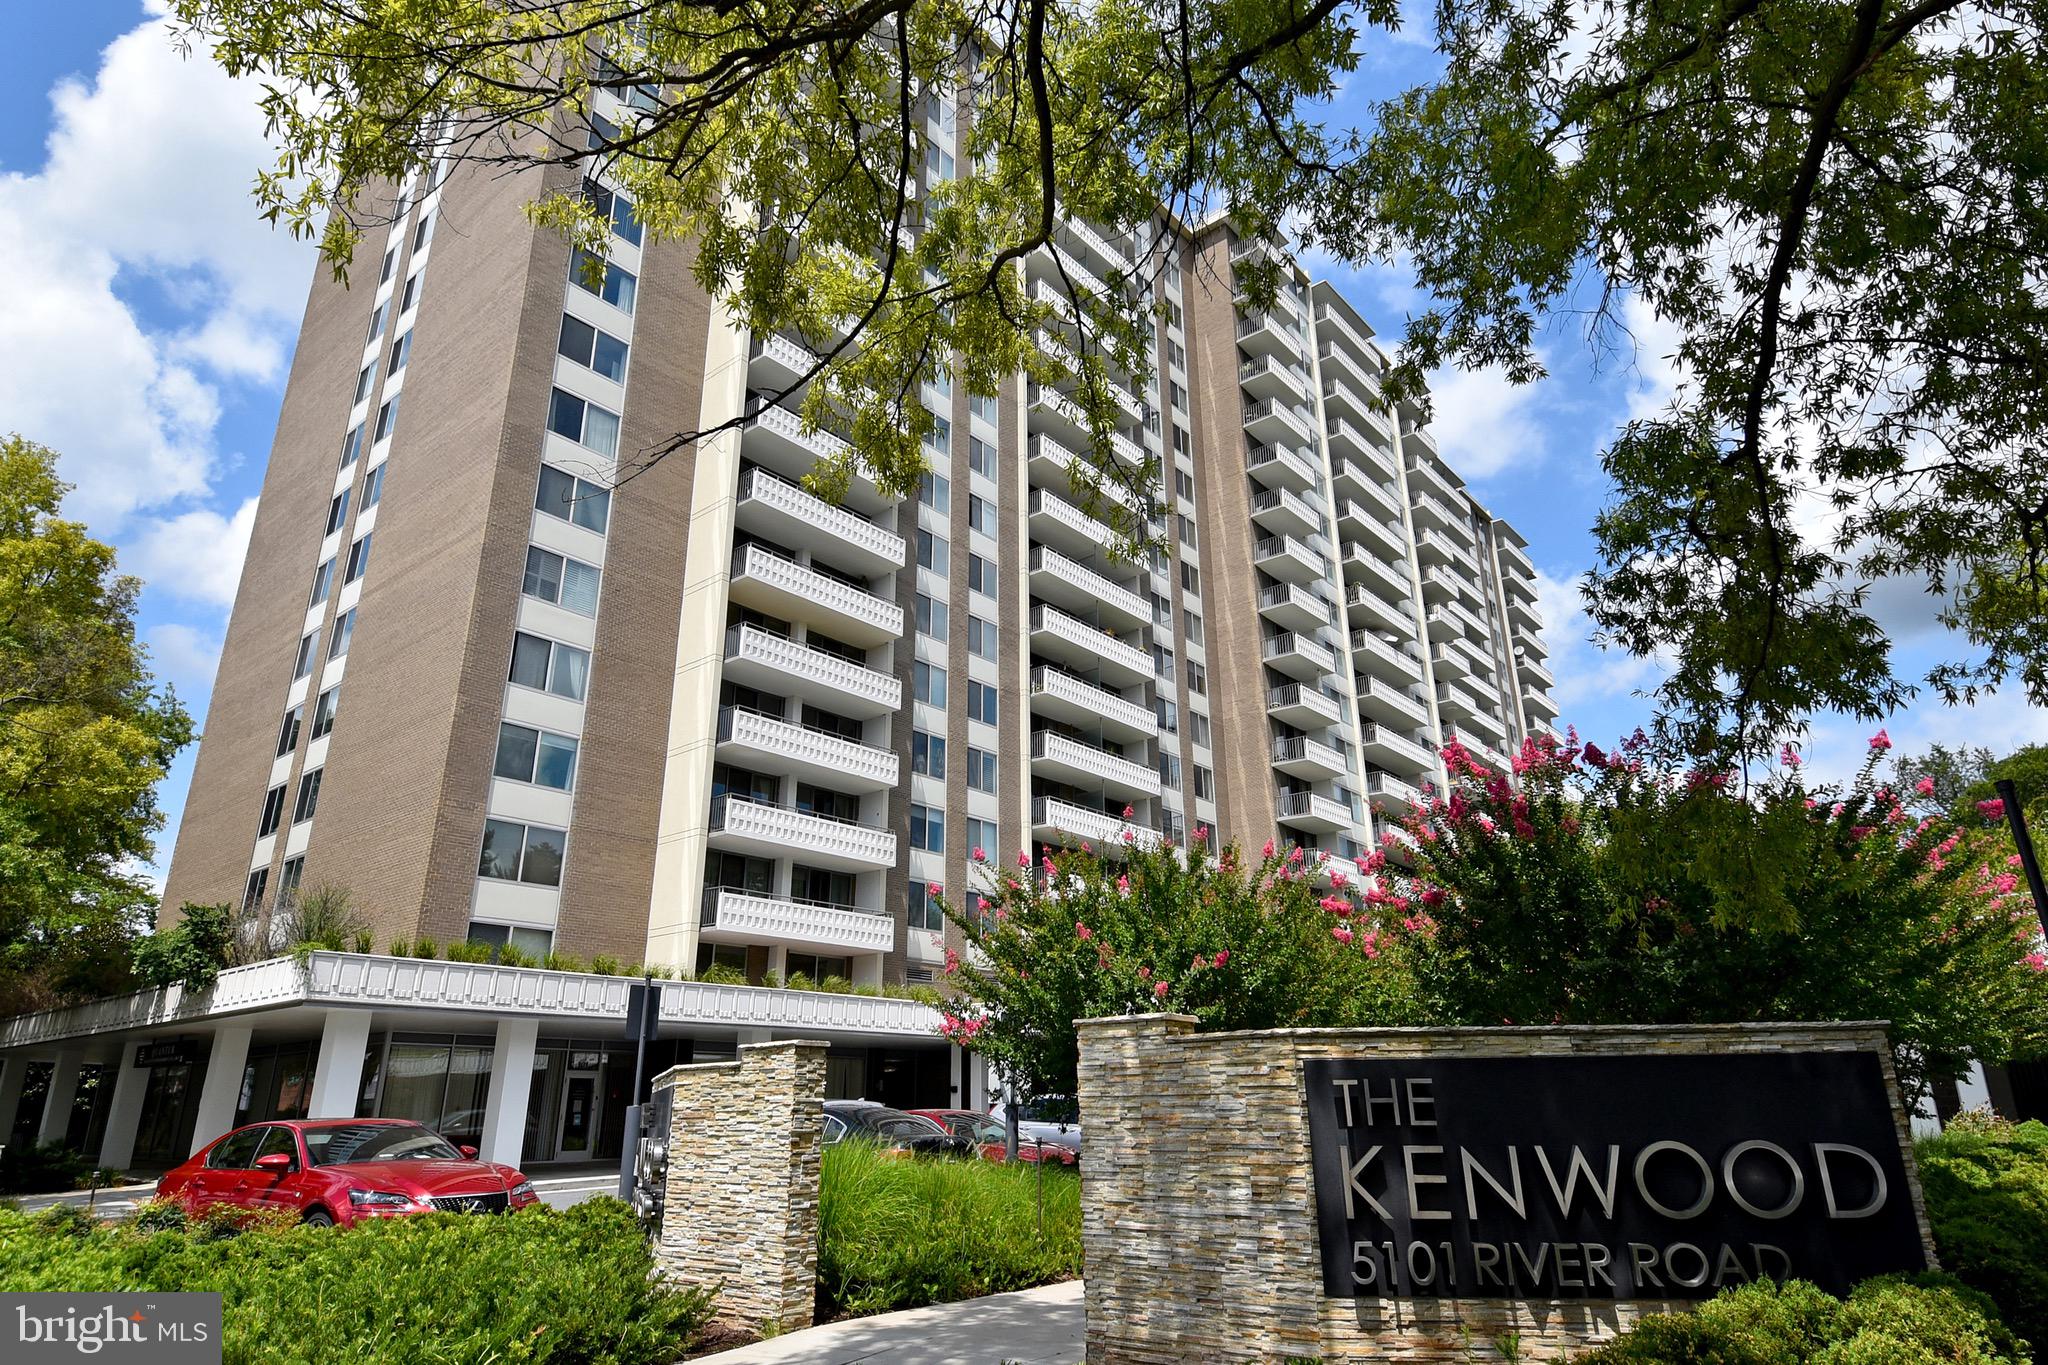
593, 348
981, 457
352, 445
390, 259
288, 732
1205, 784
401, 351
363, 381
344, 631
981, 575
1162, 661
981, 834
1183, 444
574, 500
928, 682
1187, 531
587, 424
1177, 396
981, 702
931, 551
303, 664
425, 229
337, 512
252, 894
1198, 727
1190, 578
927, 828
568, 583
411, 295
981, 769
323, 583
358, 560
323, 712
931, 617
924, 908
377, 320
981, 637
289, 877
609, 282
1168, 714
940, 437
1198, 679
387, 418
935, 492
273, 811
614, 208
549, 666
1191, 626
373, 486
981, 514
514, 852
927, 754
1176, 355
1169, 772
1184, 483
309, 796
529, 755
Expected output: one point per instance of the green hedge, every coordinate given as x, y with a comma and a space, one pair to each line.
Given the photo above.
567, 1288
898, 1233
1922, 1320
1987, 1198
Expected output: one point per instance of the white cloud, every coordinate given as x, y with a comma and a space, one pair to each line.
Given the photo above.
195, 555
1592, 681
1658, 375
184, 655
145, 192
1484, 423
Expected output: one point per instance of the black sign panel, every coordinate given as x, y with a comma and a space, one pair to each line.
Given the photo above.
1646, 1177
166, 1052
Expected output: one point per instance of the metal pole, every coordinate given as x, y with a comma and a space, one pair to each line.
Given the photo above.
629, 1150
2017, 818
1009, 1119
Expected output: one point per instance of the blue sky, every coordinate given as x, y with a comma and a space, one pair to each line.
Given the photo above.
150, 320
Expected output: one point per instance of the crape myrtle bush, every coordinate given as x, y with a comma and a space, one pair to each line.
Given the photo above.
555, 1288
1986, 1183
1584, 887
1921, 1320
898, 1232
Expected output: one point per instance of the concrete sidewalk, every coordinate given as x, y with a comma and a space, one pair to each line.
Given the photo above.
1030, 1327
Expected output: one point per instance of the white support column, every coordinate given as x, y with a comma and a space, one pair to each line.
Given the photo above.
124, 1111
338, 1075
13, 1071
504, 1135
221, 1092
63, 1090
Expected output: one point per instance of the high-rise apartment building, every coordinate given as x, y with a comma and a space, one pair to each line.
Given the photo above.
701, 717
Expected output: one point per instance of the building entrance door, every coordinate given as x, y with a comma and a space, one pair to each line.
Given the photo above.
578, 1140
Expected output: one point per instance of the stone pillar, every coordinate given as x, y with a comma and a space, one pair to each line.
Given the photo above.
13, 1071
504, 1135
338, 1074
63, 1090
221, 1093
746, 1139
124, 1111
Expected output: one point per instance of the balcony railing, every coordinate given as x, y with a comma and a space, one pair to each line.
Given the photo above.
793, 585
1312, 809
1089, 586
876, 691
731, 915
1315, 706
1099, 702
1093, 640
861, 766
1099, 828
1302, 751
871, 542
1387, 740
821, 837
1120, 774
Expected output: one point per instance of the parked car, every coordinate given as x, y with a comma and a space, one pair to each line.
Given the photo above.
1052, 1119
341, 1171
987, 1134
911, 1134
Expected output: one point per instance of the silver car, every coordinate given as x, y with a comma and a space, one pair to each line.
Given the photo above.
1051, 1119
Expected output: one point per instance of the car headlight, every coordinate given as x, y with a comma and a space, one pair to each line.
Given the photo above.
524, 1190
379, 1199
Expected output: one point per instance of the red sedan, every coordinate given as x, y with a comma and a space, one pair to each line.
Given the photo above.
340, 1171
985, 1132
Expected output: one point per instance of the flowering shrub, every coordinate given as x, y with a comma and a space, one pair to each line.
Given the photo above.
1238, 943
1593, 887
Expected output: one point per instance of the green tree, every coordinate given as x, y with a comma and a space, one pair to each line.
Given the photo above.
1940, 781
85, 736
1087, 933
2027, 770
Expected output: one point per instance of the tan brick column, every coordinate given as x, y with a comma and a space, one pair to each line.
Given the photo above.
745, 1142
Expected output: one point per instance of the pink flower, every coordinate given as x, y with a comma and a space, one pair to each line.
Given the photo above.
1085, 847
1925, 786
1123, 884
934, 889
1082, 931
1267, 851
1336, 905
1201, 834
1144, 973
1788, 756
980, 854
1336, 877
1342, 933
1370, 944
1432, 895
1023, 857
2005, 883
1994, 809
1880, 741
1159, 990
2038, 961
1837, 809
1294, 855
1222, 956
1130, 811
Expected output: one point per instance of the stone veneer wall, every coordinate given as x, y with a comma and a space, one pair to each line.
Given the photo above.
1198, 1227
745, 1142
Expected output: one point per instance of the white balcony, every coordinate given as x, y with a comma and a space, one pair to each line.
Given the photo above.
1331, 323
1053, 466
1056, 821
776, 439
1078, 588
1441, 584
1280, 467
1283, 512
771, 506
1447, 661
1082, 704
1366, 606
1341, 402
1389, 795
1524, 615
1293, 607
1273, 422
1271, 332
1487, 725
1431, 510
1312, 811
1298, 656
761, 658
776, 744
1303, 706
1069, 640
771, 831
1052, 411
1363, 564
782, 587
1289, 560
1109, 253
1059, 523
1453, 704
1532, 673
1440, 624
1420, 437
732, 916
1361, 482
1384, 702
1515, 558
1086, 766
1426, 474
1383, 658
1540, 706
1308, 759
776, 362
1433, 546
1272, 376
1389, 748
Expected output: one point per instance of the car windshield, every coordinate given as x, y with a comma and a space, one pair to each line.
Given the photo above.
907, 1126
1052, 1109
352, 1142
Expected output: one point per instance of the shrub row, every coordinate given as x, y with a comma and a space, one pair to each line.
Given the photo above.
552, 1288
899, 1233
1987, 1198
